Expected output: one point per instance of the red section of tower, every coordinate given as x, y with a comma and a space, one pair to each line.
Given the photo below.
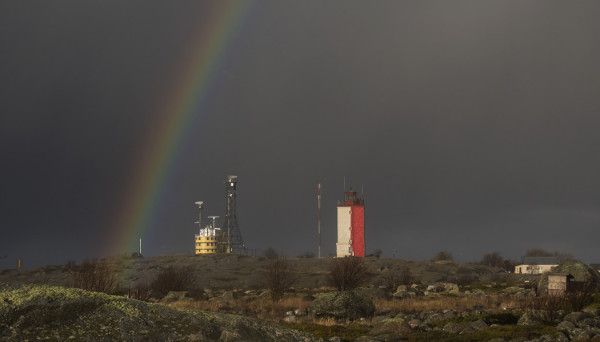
357, 220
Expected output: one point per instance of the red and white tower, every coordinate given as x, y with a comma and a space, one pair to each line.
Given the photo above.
351, 226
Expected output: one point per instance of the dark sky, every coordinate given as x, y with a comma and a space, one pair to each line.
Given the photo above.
472, 124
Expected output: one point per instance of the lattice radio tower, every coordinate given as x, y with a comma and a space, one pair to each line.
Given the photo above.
230, 238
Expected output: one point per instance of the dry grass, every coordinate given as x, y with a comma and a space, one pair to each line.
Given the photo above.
418, 304
265, 309
262, 308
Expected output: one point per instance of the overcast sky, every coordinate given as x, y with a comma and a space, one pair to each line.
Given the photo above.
471, 124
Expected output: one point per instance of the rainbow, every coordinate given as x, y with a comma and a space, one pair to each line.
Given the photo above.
179, 112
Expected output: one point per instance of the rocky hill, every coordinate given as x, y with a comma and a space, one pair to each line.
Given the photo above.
245, 272
60, 314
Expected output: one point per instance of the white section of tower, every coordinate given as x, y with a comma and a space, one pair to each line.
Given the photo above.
343, 231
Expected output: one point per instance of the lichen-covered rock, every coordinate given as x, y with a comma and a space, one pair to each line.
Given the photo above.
344, 304
454, 328
579, 270
176, 296
60, 314
566, 327
391, 326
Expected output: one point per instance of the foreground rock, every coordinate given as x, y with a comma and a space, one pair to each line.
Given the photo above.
60, 314
344, 304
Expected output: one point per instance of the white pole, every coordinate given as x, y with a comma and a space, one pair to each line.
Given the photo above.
140, 246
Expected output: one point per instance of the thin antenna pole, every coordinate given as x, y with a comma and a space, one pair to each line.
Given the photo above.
319, 217
140, 246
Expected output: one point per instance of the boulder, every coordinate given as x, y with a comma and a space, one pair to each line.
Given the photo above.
566, 327
478, 325
61, 314
579, 270
390, 326
527, 319
290, 319
575, 317
301, 312
454, 328
401, 288
415, 323
176, 296
344, 304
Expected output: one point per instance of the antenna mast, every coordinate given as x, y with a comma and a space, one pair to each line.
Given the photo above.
199, 222
230, 240
319, 217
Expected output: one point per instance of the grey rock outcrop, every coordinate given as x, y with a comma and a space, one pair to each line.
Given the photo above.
344, 304
60, 314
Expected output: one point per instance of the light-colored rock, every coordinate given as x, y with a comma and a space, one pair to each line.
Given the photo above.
290, 319
301, 312
390, 326
176, 296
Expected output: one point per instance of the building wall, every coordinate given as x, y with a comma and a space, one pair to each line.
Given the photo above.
557, 284
358, 230
533, 269
343, 231
206, 244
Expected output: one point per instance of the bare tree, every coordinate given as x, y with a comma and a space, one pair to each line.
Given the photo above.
581, 296
95, 276
546, 309
377, 253
270, 253
279, 277
173, 279
393, 278
493, 260
348, 273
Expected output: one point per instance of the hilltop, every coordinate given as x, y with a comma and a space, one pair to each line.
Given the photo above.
229, 272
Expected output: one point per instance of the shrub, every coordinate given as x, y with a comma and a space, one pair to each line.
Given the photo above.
270, 253
279, 277
94, 275
347, 273
580, 298
173, 279
443, 255
546, 309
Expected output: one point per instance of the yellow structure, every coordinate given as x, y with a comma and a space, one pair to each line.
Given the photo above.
206, 240
206, 244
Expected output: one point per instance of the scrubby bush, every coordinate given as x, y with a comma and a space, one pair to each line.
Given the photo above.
393, 278
173, 279
94, 275
279, 277
443, 255
348, 273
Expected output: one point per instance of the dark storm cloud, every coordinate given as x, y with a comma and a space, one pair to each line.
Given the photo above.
471, 124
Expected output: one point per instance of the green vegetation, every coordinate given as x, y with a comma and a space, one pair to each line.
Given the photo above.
507, 332
500, 318
346, 332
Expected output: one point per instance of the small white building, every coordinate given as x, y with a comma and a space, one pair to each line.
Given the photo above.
536, 265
